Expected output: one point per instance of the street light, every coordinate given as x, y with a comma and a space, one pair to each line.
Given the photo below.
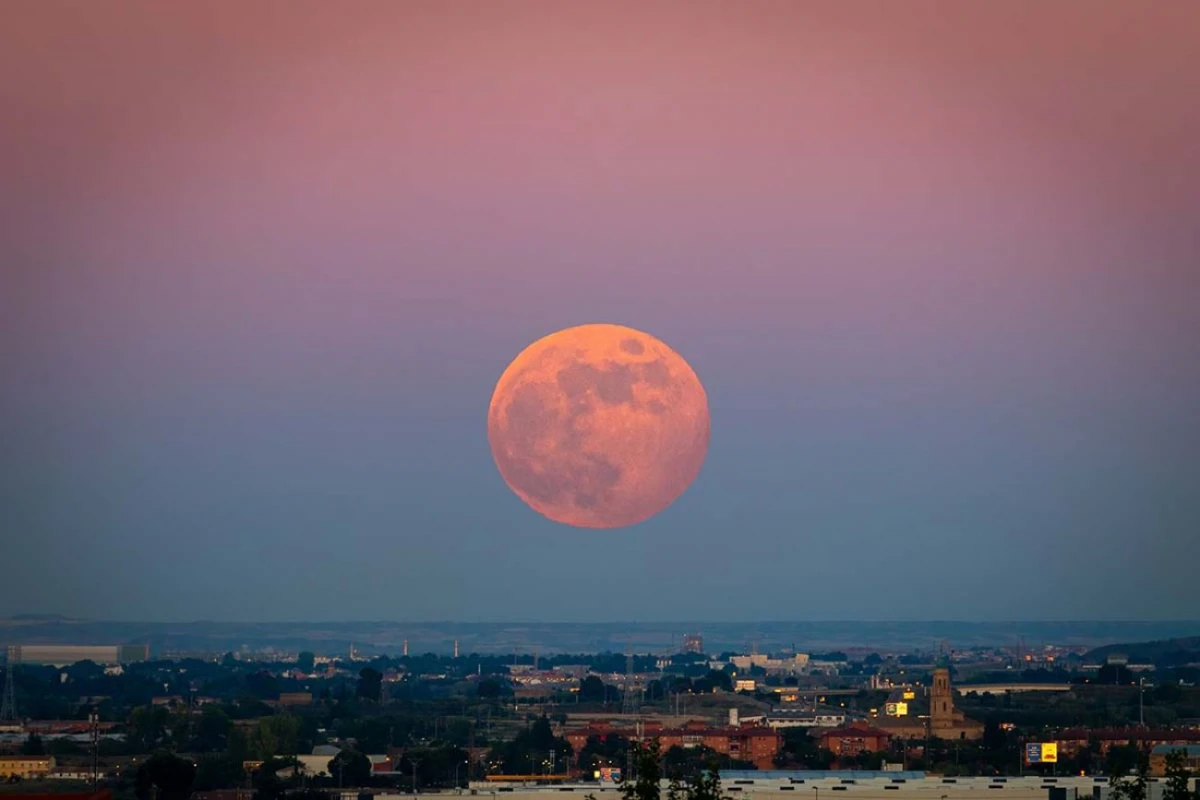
456, 766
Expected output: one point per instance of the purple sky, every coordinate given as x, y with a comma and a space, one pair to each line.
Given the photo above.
935, 263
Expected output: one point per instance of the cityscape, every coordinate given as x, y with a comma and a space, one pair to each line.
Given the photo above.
269, 723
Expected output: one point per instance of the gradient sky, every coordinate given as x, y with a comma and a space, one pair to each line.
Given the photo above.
936, 264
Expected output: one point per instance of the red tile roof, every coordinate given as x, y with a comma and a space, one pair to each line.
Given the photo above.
855, 730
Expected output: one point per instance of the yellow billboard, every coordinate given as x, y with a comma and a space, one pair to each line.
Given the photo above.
1041, 753
910, 695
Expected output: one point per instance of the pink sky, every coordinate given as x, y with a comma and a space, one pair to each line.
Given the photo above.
915, 251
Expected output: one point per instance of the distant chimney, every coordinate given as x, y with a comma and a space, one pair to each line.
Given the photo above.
733, 718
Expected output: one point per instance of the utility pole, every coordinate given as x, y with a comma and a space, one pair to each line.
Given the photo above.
628, 705
414, 763
1141, 702
94, 721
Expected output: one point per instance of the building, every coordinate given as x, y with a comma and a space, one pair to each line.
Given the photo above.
758, 745
293, 699
1158, 758
1071, 741
944, 721
64, 655
104, 795
317, 764
26, 766
855, 739
798, 718
796, 665
693, 643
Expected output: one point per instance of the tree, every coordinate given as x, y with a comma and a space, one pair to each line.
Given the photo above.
267, 783
350, 768
644, 783
705, 785
529, 748
1177, 776
1136, 787
165, 776
601, 751
802, 750
85, 670
33, 746
305, 662
592, 690
212, 731
1141, 778
217, 772
435, 766
262, 685
993, 735
682, 764
370, 684
148, 727
715, 679
274, 736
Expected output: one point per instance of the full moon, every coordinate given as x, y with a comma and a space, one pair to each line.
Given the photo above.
598, 426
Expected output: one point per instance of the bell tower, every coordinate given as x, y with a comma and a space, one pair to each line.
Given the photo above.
941, 700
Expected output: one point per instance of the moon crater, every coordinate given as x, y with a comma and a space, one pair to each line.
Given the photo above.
599, 426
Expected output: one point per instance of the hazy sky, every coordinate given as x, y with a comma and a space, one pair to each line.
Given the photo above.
936, 264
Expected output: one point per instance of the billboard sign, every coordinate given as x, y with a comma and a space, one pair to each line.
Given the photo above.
1043, 753
609, 775
896, 709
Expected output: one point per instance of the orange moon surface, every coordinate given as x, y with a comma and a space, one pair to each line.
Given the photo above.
599, 426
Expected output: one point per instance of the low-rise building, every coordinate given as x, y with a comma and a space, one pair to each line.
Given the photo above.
758, 745
1158, 758
1071, 741
26, 766
797, 718
855, 739
65, 655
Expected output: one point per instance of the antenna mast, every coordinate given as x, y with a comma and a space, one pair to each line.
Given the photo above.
8, 708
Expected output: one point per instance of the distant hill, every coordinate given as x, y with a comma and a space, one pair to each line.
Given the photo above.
549, 638
1183, 650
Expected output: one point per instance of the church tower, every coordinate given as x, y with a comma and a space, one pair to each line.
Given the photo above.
941, 700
